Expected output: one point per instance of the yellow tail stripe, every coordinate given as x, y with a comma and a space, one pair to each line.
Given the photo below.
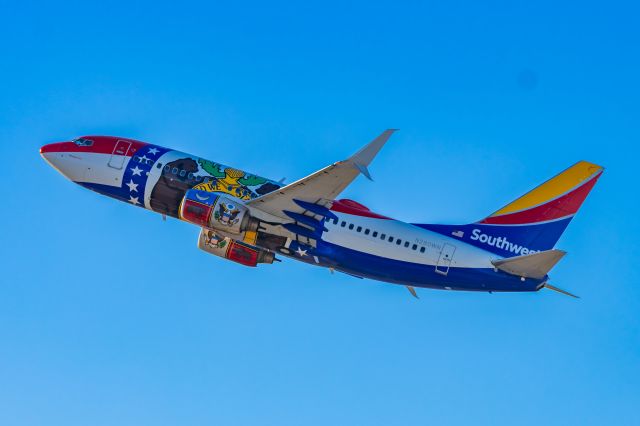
553, 188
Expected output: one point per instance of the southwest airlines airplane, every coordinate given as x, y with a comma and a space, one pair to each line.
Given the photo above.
249, 219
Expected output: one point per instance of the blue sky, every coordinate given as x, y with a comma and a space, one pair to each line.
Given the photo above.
108, 315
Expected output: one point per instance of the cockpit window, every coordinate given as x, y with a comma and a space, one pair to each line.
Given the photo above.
83, 142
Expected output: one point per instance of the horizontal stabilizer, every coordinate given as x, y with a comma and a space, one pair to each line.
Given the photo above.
559, 290
535, 265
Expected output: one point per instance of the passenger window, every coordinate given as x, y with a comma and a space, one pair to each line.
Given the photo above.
406, 243
366, 231
375, 234
136, 158
190, 176
351, 226
183, 173
390, 239
150, 162
415, 246
159, 165
383, 236
167, 168
343, 223
421, 249
359, 229
399, 241
174, 170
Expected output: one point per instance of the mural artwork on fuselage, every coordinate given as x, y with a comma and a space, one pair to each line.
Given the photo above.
183, 173
234, 182
168, 192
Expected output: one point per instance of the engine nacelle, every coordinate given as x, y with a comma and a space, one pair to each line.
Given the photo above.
211, 210
231, 249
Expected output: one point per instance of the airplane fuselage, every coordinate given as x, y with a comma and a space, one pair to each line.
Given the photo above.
353, 240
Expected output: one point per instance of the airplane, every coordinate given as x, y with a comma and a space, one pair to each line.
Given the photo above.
250, 219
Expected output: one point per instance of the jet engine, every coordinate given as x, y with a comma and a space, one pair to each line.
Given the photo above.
211, 210
231, 249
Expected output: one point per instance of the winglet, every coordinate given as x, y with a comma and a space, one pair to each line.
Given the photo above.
365, 156
363, 170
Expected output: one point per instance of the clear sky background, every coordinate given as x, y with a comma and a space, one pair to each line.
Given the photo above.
110, 316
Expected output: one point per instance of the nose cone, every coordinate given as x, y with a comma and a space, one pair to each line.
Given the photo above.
52, 147
50, 152
61, 157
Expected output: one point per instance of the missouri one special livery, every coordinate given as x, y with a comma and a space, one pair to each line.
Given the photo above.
249, 219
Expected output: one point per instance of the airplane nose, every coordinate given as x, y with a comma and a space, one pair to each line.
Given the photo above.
51, 147
49, 153
58, 156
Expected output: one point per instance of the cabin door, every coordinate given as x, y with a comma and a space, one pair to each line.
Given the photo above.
444, 261
119, 154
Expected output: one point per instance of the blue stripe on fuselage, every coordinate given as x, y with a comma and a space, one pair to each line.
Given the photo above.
408, 273
505, 240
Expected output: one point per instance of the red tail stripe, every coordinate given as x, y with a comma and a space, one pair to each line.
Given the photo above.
561, 207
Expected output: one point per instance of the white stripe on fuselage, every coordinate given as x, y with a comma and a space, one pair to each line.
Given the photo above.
89, 167
465, 256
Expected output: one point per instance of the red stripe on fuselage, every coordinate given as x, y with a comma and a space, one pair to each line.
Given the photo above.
101, 145
561, 207
354, 208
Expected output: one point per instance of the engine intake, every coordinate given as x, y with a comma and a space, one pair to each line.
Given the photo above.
231, 249
210, 210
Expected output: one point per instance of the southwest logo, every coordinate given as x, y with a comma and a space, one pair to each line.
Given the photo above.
500, 242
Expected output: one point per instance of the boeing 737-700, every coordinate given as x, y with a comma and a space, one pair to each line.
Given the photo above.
249, 219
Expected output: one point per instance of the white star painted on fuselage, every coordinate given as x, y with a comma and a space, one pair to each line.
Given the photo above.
134, 200
153, 151
136, 171
301, 252
132, 186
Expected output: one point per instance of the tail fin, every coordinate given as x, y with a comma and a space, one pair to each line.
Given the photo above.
558, 198
533, 222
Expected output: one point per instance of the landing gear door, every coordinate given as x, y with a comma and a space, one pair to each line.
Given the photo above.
444, 261
119, 154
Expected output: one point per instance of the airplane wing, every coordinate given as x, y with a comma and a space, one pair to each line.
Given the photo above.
316, 192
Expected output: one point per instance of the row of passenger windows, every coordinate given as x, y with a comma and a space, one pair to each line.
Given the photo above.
173, 170
143, 160
183, 173
376, 234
